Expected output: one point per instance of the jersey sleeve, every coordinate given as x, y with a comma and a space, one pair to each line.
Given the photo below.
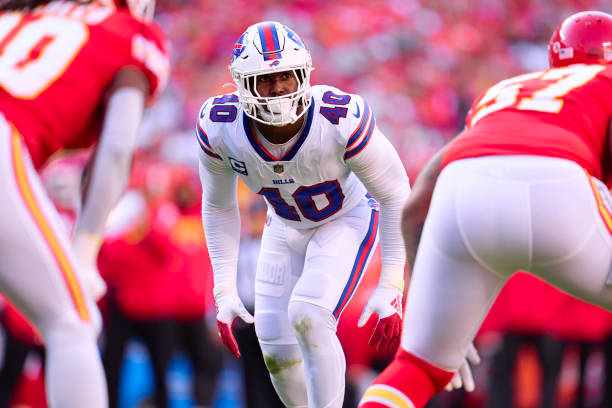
220, 214
361, 125
377, 164
149, 48
203, 128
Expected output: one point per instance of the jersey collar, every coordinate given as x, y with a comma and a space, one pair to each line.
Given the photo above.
262, 152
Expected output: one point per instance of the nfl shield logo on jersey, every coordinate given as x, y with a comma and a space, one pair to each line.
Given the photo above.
278, 168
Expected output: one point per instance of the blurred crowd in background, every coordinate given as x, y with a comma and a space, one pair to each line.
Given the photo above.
420, 64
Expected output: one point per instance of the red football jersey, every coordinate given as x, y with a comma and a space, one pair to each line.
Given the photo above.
57, 61
560, 112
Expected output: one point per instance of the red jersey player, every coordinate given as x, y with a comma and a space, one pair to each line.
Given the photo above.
72, 73
520, 189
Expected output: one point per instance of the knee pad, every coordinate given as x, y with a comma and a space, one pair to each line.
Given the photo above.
304, 316
273, 327
267, 326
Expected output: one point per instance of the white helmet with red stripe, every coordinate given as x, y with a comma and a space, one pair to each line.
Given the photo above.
142, 9
265, 48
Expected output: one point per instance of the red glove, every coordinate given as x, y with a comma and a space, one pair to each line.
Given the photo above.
228, 307
387, 304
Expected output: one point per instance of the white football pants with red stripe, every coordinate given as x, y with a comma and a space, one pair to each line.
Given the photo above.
304, 279
37, 273
488, 218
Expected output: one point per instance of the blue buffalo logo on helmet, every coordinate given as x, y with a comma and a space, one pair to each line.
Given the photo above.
239, 46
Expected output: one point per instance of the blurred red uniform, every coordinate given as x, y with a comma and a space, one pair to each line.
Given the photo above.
568, 92
138, 269
193, 281
520, 189
65, 70
72, 74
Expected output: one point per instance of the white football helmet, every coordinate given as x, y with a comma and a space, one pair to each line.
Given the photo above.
265, 48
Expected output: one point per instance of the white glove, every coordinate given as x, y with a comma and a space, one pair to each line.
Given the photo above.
386, 302
463, 377
229, 306
85, 247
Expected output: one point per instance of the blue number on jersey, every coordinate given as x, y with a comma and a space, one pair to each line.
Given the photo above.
303, 196
225, 99
333, 99
224, 113
280, 206
334, 114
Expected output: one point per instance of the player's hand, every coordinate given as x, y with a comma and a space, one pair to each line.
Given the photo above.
85, 247
463, 377
387, 304
228, 307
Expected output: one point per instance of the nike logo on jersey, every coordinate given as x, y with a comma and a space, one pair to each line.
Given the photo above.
358, 114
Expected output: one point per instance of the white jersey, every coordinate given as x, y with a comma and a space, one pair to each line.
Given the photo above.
312, 183
339, 156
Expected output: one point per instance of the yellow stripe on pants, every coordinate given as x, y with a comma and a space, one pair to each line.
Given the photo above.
56, 249
603, 210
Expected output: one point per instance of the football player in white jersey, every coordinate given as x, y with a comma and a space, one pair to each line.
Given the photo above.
316, 155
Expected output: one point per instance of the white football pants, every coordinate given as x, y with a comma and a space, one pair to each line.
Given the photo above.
490, 217
304, 280
37, 274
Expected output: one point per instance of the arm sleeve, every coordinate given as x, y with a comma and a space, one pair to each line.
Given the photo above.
221, 220
380, 169
111, 164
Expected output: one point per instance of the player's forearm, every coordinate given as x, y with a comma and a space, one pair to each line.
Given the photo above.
221, 221
110, 167
222, 229
393, 256
381, 171
412, 227
417, 206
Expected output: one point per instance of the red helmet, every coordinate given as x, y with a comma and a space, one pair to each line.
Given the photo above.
584, 37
